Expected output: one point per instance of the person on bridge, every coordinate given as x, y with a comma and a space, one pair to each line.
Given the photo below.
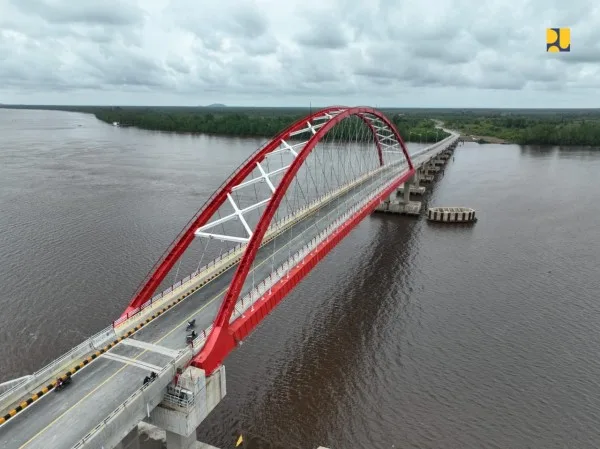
153, 375
146, 380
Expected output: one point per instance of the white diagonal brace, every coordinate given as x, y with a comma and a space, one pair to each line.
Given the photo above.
222, 237
214, 223
266, 177
258, 179
240, 215
289, 147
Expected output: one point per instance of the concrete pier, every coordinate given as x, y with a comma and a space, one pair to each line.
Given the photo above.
414, 189
424, 173
187, 402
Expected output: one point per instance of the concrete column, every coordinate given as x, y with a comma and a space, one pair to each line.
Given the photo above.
417, 178
131, 441
186, 405
406, 192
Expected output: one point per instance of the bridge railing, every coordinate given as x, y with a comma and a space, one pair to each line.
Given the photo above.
126, 416
247, 301
435, 146
32, 383
236, 252
258, 291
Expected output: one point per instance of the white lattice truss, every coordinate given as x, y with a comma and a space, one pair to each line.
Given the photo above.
384, 135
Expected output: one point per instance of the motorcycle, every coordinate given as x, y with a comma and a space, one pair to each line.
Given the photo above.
190, 325
190, 338
61, 385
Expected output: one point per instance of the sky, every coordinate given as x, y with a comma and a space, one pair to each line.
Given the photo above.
382, 53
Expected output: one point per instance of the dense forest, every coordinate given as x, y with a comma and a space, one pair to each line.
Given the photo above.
566, 127
255, 122
534, 126
234, 121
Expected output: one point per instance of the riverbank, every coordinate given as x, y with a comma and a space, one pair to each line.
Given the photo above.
535, 127
233, 121
524, 127
484, 139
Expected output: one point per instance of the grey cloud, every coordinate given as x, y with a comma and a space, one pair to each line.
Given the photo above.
106, 12
325, 33
379, 52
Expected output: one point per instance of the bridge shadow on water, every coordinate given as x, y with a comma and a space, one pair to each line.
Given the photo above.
297, 380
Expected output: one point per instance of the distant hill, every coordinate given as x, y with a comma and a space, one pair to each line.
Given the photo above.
216, 105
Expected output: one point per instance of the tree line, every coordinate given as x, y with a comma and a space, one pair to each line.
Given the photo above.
254, 123
579, 128
544, 127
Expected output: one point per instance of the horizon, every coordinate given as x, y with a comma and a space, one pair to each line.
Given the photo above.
225, 106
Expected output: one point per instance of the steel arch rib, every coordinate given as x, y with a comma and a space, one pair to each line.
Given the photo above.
176, 249
221, 340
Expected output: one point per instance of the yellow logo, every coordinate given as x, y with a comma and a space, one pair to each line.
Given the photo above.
558, 39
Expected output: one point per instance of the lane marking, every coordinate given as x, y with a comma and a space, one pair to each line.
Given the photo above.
150, 347
192, 315
133, 362
77, 368
196, 312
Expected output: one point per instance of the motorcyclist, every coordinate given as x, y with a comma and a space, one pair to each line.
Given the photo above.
193, 335
59, 382
191, 323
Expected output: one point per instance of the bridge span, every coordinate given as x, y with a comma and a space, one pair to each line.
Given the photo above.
334, 168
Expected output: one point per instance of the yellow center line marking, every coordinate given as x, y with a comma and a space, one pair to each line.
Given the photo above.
196, 312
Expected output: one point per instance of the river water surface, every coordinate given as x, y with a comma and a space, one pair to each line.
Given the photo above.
408, 335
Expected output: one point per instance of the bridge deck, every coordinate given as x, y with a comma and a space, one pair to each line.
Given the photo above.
61, 419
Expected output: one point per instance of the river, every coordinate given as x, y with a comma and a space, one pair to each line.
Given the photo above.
408, 335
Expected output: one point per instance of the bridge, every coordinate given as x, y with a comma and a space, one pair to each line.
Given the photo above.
261, 232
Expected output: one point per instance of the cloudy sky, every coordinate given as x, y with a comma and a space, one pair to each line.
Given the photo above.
411, 53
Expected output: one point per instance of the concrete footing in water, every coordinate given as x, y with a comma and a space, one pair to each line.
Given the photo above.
424, 174
393, 207
451, 214
414, 190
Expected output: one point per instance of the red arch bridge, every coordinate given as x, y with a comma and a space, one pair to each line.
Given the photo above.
255, 238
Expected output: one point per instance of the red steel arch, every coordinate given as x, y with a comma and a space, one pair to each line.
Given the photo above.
176, 249
222, 339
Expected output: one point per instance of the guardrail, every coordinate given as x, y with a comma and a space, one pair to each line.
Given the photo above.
120, 327
447, 140
126, 416
250, 298
257, 292
246, 302
237, 251
38, 379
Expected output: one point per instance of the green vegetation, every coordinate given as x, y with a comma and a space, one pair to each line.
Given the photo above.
550, 127
232, 121
522, 126
242, 122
